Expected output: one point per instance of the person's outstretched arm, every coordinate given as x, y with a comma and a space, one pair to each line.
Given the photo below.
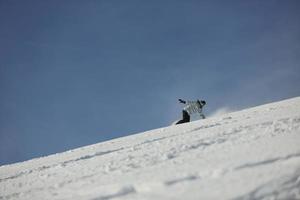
181, 101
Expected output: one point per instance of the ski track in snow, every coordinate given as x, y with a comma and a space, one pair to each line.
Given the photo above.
282, 188
250, 154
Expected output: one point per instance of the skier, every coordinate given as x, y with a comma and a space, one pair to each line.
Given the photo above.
190, 108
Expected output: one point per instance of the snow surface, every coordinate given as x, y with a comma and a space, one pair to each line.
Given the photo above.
250, 154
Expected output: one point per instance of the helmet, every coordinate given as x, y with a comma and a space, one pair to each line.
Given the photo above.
198, 101
201, 102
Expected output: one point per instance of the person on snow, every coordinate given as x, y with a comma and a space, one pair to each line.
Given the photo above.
190, 108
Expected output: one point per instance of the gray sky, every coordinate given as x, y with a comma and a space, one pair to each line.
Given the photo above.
74, 73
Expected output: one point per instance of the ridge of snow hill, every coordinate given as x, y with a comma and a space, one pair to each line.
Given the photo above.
249, 154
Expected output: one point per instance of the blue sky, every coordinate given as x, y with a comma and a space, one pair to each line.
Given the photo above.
74, 73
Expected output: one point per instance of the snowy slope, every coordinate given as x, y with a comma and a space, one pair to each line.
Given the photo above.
250, 154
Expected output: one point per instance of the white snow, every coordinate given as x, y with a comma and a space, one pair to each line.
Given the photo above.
249, 154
